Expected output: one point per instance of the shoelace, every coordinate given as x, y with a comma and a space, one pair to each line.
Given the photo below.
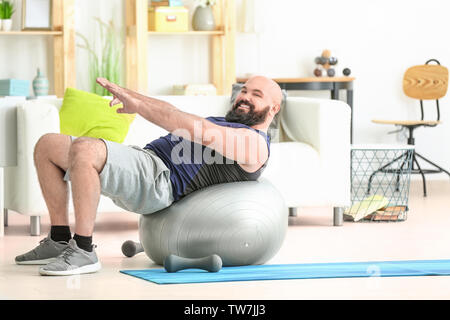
44, 240
66, 254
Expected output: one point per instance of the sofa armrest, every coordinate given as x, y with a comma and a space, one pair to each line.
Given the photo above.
57, 102
325, 125
22, 191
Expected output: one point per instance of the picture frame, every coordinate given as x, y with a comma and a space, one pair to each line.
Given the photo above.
36, 15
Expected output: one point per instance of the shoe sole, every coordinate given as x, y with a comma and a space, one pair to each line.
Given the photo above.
90, 268
36, 262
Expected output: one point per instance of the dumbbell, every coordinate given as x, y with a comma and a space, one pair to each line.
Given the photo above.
173, 263
131, 248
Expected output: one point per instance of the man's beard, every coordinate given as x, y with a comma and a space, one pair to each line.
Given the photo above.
249, 118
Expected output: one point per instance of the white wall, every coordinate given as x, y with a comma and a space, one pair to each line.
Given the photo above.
378, 40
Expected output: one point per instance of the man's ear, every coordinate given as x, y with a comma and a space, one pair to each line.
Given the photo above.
276, 108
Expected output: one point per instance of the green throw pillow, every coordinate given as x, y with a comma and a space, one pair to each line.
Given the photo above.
85, 114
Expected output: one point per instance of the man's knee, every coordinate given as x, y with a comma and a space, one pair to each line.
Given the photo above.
45, 145
86, 151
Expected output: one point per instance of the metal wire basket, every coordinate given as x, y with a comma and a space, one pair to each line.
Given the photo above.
380, 177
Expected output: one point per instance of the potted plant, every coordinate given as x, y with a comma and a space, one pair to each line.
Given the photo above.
105, 56
7, 9
203, 19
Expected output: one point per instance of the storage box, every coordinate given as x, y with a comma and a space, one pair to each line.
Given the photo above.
380, 183
14, 87
168, 19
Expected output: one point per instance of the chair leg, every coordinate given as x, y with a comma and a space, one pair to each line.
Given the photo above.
432, 163
397, 185
369, 185
338, 216
35, 225
292, 212
5, 217
423, 175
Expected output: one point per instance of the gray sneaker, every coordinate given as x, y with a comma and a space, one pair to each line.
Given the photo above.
72, 261
44, 253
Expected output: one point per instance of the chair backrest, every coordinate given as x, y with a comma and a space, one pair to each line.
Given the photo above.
426, 82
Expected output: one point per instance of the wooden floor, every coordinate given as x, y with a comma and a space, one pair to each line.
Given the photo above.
310, 238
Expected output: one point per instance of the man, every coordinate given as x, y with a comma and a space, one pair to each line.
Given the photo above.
197, 153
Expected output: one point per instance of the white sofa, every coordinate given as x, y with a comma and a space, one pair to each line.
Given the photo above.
310, 164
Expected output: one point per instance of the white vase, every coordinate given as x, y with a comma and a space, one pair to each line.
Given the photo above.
6, 24
1, 24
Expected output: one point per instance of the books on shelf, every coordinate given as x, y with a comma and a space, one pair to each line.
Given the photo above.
166, 3
156, 3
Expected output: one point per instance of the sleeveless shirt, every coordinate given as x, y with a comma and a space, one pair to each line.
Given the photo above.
194, 166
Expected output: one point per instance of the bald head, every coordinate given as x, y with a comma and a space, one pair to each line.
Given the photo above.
269, 87
257, 103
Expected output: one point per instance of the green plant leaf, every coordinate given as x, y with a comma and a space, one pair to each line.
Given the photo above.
7, 9
107, 62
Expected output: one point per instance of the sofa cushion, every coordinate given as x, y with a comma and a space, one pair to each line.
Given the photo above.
274, 127
294, 168
85, 114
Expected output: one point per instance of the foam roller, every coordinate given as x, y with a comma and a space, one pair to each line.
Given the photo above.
212, 263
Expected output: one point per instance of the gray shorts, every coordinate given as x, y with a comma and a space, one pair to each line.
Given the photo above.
135, 179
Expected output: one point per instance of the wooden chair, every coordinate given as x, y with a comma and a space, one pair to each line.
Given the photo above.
423, 82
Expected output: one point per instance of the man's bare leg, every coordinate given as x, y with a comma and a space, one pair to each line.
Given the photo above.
84, 159
87, 158
51, 158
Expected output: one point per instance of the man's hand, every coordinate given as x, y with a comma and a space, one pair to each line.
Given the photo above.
130, 100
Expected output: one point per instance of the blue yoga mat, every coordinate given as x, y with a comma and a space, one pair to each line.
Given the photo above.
299, 271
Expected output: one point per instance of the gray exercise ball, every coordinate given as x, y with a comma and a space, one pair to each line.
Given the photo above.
244, 223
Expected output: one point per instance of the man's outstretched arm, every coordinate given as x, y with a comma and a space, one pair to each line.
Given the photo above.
159, 112
242, 145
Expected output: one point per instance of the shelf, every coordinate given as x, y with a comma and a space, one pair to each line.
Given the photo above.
31, 33
188, 33
307, 79
222, 45
63, 54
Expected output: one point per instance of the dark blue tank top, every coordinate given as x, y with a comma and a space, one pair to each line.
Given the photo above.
194, 166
